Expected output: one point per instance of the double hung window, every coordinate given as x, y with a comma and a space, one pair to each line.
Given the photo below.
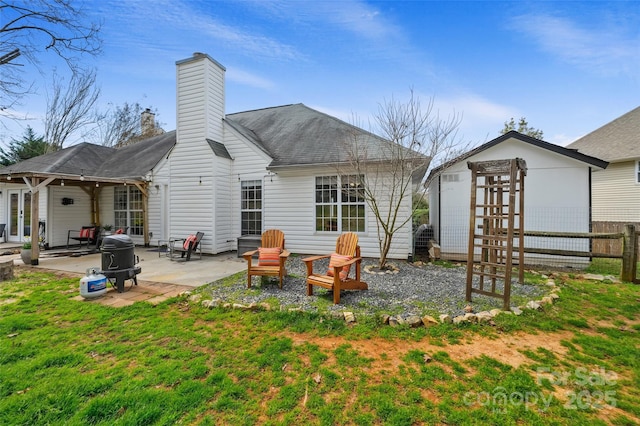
251, 207
128, 211
340, 204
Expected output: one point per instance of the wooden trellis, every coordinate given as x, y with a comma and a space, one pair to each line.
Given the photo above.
502, 183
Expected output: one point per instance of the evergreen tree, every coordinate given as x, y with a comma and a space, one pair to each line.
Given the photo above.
29, 146
523, 127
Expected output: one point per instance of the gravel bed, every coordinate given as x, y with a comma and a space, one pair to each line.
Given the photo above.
413, 290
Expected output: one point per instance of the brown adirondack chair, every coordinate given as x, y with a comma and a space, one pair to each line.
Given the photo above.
271, 257
337, 277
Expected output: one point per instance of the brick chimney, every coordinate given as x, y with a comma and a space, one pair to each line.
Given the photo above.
147, 123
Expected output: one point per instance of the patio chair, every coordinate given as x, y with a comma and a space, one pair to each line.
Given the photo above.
271, 257
90, 235
337, 276
185, 247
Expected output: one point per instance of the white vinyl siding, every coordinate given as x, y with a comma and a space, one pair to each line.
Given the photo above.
250, 163
72, 216
193, 174
616, 193
224, 208
289, 205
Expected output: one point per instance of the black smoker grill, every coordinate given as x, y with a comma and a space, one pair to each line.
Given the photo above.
119, 260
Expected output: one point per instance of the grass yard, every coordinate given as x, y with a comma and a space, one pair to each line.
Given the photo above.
64, 362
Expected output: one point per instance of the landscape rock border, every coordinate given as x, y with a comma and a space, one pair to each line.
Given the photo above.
410, 320
414, 321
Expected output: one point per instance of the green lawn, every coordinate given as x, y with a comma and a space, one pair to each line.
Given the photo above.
65, 362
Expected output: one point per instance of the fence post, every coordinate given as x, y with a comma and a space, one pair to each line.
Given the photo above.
629, 254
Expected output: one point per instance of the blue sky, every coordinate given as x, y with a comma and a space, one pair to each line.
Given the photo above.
568, 67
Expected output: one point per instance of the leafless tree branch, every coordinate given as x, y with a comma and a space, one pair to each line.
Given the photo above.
36, 27
415, 136
69, 107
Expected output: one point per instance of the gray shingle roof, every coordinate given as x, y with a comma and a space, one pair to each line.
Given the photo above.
136, 160
132, 161
292, 135
296, 135
618, 140
219, 149
84, 157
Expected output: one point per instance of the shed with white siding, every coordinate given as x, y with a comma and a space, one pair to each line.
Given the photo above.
557, 194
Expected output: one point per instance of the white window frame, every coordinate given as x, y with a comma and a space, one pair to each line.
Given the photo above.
251, 206
336, 199
638, 171
128, 211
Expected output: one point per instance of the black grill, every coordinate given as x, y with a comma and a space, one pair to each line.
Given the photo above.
119, 260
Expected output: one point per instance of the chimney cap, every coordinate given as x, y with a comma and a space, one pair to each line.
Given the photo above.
199, 55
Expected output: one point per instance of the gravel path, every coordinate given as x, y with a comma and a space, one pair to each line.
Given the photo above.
414, 290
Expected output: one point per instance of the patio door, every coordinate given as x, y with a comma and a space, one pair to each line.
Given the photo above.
19, 225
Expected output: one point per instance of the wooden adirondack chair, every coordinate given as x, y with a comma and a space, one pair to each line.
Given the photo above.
271, 257
337, 277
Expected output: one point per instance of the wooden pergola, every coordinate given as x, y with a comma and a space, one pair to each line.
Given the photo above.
91, 185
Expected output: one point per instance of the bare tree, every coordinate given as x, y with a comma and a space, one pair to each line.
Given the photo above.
393, 173
123, 125
69, 107
32, 28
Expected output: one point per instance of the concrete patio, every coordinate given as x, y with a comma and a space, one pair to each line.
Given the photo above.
160, 279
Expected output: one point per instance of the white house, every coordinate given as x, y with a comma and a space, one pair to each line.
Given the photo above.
226, 175
616, 190
557, 194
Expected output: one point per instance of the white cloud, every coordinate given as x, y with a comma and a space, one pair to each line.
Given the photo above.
605, 49
246, 78
480, 117
354, 16
180, 21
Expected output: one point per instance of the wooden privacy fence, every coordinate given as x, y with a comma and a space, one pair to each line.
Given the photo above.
629, 254
610, 246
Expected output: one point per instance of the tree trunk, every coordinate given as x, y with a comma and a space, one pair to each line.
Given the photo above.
384, 250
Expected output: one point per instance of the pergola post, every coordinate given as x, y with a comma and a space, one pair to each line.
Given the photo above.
35, 221
145, 212
34, 186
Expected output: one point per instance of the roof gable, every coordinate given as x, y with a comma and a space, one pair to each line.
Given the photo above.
591, 161
618, 140
136, 160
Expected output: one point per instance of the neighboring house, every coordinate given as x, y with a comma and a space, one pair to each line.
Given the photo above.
616, 189
557, 194
226, 175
